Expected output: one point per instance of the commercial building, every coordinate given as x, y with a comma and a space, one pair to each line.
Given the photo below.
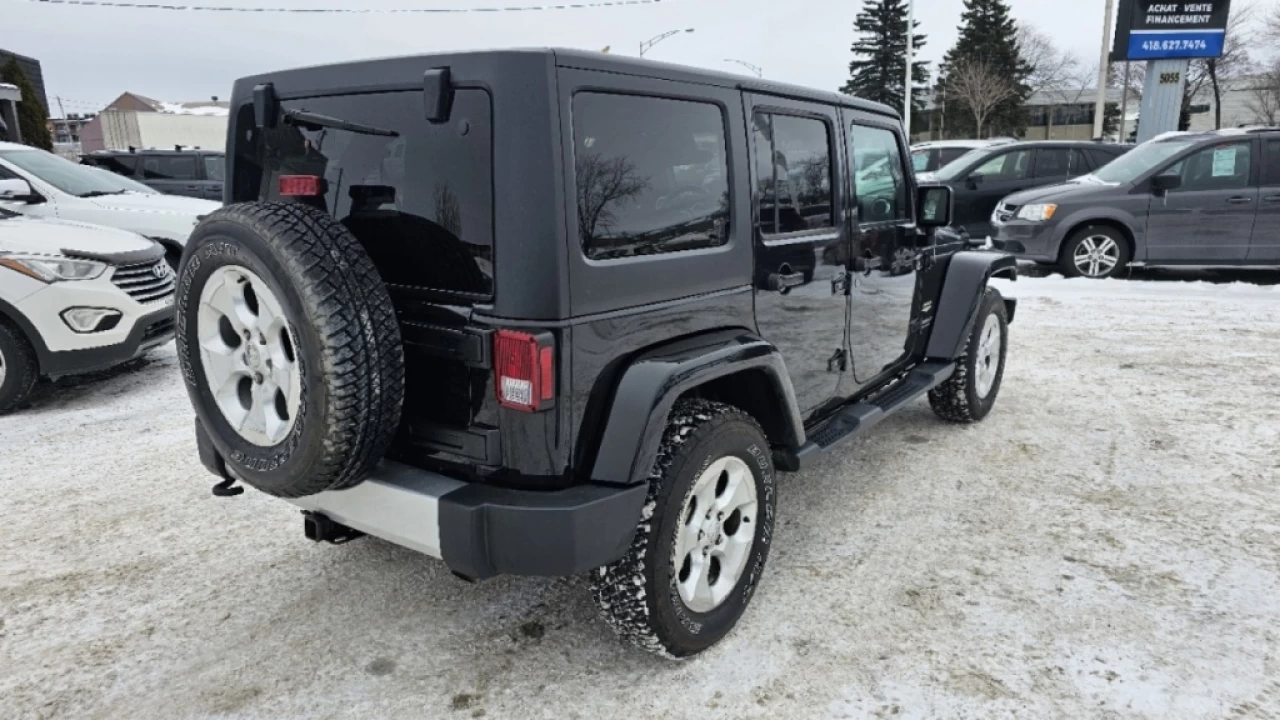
133, 120
31, 68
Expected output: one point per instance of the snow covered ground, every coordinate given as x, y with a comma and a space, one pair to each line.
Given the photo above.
1106, 544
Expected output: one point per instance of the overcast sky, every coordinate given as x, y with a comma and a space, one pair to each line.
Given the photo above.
91, 55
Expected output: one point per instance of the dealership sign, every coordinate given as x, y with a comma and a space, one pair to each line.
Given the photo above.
1161, 30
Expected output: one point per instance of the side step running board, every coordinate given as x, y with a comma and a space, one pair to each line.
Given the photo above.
859, 417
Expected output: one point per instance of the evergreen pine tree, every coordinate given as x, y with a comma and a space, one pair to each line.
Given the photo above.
989, 35
878, 71
31, 111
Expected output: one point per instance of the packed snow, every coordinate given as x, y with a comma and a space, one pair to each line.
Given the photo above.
1105, 544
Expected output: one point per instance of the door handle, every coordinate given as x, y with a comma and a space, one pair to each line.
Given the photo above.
1271, 198
783, 282
1239, 201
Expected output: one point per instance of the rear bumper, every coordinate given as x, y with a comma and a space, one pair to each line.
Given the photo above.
480, 530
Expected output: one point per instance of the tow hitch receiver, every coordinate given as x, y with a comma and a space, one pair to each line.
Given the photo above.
318, 527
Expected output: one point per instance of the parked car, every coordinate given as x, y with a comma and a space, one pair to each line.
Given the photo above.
191, 171
1210, 198
984, 177
41, 184
76, 298
927, 157
457, 359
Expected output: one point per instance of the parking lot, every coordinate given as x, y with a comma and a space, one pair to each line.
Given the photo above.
1106, 544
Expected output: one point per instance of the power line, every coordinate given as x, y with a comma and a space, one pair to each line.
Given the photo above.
120, 4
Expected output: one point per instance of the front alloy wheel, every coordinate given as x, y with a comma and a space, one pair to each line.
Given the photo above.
1094, 252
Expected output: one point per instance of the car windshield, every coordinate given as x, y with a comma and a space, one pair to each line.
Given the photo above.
127, 183
67, 176
954, 169
1136, 162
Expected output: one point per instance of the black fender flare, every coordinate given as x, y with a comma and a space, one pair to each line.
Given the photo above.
957, 305
20, 321
650, 385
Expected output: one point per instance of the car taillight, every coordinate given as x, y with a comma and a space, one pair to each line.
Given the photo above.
524, 370
299, 186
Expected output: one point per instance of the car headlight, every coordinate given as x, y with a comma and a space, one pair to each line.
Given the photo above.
1037, 213
52, 269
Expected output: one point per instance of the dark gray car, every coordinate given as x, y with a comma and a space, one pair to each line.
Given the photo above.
1182, 199
187, 171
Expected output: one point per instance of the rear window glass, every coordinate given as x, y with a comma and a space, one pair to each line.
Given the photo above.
652, 175
418, 195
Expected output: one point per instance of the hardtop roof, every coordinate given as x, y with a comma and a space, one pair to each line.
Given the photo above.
402, 72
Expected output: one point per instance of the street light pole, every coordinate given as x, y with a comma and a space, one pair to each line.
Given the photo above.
647, 45
1100, 105
911, 36
754, 68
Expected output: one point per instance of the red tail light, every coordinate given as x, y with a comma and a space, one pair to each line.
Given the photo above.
299, 186
524, 370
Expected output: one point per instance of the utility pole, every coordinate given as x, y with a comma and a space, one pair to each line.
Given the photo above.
1100, 106
1123, 134
911, 36
59, 99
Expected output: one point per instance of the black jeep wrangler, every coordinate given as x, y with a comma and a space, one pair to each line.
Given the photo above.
557, 312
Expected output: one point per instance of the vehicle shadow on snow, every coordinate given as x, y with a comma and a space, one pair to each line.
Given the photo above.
136, 375
1216, 275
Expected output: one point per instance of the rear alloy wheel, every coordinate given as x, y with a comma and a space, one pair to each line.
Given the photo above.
1095, 252
701, 545
247, 350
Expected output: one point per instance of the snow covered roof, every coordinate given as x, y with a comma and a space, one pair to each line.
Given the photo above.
218, 109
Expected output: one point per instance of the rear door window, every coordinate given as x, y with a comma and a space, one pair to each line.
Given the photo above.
169, 167
793, 171
1052, 163
126, 165
214, 167
950, 155
1271, 170
652, 175
418, 195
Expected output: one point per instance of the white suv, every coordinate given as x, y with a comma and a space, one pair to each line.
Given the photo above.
34, 182
76, 298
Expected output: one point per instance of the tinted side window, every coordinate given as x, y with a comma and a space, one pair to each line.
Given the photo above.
879, 180
950, 155
214, 167
1080, 164
1012, 165
178, 167
419, 200
1271, 171
1219, 167
793, 173
1052, 162
120, 164
652, 175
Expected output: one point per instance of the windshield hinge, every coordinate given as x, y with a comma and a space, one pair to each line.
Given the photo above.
437, 94
266, 106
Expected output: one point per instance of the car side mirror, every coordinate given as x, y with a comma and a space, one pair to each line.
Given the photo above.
1164, 183
975, 180
17, 190
935, 206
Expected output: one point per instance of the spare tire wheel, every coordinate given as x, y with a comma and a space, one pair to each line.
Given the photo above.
289, 347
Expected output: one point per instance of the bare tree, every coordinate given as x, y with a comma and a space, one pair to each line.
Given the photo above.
979, 87
1052, 70
603, 184
1235, 59
1264, 96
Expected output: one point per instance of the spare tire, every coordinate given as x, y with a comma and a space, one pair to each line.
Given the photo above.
289, 347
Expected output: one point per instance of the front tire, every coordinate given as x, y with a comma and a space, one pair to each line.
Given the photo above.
970, 393
1095, 252
704, 537
18, 368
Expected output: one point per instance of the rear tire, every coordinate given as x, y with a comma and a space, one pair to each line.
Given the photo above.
18, 368
279, 307
970, 393
655, 599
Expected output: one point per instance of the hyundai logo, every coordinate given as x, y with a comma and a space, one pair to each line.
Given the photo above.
160, 270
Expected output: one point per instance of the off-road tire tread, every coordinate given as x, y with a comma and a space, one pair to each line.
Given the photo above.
22, 369
362, 360
950, 400
619, 588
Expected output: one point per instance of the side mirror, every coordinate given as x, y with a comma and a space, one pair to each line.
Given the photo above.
935, 206
1165, 183
975, 180
17, 190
